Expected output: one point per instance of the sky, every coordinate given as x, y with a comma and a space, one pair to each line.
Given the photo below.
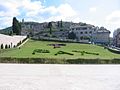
104, 13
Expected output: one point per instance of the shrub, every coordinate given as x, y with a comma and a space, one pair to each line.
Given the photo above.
19, 43
14, 46
33, 53
6, 46
82, 53
24, 39
9, 46
2, 46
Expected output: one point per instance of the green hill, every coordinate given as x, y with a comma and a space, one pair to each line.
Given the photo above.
6, 30
46, 49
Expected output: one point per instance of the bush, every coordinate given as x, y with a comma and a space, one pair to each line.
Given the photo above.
82, 53
6, 46
19, 43
14, 46
2, 46
9, 46
24, 39
33, 53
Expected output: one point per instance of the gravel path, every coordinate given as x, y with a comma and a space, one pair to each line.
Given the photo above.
59, 77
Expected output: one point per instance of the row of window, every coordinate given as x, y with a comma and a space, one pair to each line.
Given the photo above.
86, 32
83, 28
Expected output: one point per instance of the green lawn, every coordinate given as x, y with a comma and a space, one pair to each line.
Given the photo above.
27, 50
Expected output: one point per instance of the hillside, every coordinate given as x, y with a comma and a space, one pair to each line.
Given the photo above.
6, 30
46, 49
43, 27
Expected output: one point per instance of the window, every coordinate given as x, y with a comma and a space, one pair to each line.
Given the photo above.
86, 32
81, 32
90, 32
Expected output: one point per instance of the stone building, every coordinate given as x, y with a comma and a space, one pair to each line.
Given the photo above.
91, 33
83, 32
116, 38
101, 36
32, 27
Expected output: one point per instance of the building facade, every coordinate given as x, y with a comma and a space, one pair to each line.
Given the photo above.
32, 27
116, 38
83, 32
92, 34
101, 36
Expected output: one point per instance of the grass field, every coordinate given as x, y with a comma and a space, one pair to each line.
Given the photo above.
27, 49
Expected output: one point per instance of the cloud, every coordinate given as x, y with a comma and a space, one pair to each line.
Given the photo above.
66, 10
93, 9
31, 6
63, 11
113, 18
34, 10
18, 8
7, 12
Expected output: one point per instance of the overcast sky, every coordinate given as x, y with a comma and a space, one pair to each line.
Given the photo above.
98, 12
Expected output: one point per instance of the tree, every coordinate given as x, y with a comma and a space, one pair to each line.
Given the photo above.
72, 35
6, 46
2, 46
58, 24
11, 33
9, 46
16, 26
50, 26
61, 24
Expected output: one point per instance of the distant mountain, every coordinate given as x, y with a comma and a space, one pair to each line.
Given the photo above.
6, 30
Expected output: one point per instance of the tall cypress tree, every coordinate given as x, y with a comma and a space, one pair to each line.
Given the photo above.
50, 26
61, 24
58, 24
16, 26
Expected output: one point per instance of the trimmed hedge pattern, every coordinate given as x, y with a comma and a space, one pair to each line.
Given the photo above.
84, 52
40, 51
62, 52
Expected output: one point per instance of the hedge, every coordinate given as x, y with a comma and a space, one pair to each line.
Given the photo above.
84, 52
63, 52
40, 51
58, 61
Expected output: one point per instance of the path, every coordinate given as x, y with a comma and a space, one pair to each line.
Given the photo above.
59, 77
23, 43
